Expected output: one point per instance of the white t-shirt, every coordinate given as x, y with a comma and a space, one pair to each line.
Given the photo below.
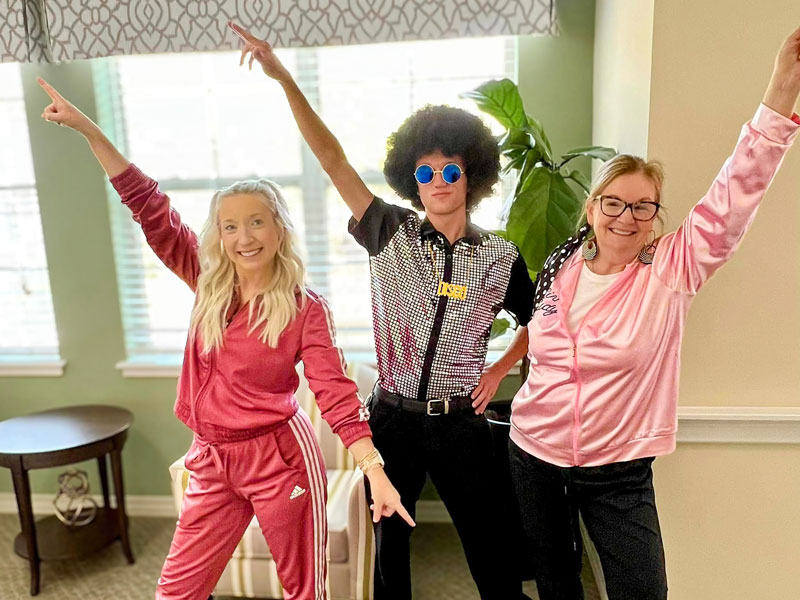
591, 287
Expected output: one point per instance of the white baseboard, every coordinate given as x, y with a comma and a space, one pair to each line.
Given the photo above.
136, 506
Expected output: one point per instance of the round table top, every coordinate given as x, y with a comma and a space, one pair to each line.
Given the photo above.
62, 428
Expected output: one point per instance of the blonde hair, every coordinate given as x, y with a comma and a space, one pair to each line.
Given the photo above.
624, 164
276, 303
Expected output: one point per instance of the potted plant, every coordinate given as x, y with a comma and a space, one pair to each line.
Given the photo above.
548, 196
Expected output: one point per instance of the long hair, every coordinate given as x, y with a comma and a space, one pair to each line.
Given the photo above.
276, 304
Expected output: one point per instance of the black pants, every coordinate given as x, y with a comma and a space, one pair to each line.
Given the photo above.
618, 506
455, 450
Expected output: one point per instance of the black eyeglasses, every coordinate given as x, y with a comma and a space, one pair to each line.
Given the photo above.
611, 206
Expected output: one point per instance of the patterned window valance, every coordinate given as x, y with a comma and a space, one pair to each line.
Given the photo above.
57, 30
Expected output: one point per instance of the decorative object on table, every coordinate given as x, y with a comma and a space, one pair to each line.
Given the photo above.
73, 504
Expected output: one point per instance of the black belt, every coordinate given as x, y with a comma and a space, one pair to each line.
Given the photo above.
433, 408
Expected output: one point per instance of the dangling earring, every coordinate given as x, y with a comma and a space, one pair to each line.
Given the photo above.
648, 251
589, 249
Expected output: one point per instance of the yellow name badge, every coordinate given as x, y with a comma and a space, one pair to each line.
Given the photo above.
452, 290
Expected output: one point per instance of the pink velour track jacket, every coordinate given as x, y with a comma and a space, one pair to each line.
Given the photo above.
245, 387
609, 394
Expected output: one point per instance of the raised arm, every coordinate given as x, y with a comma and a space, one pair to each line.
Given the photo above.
172, 241
784, 85
714, 228
322, 142
63, 112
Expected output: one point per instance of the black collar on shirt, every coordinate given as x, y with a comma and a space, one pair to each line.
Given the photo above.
472, 236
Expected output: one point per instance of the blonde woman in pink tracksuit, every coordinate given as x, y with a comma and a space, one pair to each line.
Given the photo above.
254, 449
610, 305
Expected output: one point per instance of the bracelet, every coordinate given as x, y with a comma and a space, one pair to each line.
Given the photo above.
372, 467
370, 461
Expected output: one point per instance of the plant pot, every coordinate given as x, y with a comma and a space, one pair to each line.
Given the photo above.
499, 418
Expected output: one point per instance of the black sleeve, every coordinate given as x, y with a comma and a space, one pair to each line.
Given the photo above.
378, 224
519, 294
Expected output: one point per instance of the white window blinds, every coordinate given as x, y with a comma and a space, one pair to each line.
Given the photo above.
27, 324
197, 122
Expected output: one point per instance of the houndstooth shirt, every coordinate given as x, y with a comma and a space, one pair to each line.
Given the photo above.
429, 345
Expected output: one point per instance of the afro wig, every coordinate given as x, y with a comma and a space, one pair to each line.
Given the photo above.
451, 131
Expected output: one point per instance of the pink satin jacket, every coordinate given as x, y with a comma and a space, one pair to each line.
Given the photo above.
609, 393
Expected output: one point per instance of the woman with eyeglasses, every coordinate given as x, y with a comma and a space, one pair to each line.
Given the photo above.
600, 400
437, 284
254, 449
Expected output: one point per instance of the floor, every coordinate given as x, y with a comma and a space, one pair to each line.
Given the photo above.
439, 567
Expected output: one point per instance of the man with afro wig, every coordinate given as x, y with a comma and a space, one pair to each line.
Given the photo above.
437, 284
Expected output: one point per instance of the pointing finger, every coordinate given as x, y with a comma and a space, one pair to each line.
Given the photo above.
401, 510
242, 33
51, 91
377, 510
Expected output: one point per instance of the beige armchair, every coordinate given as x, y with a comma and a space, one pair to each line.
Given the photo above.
251, 572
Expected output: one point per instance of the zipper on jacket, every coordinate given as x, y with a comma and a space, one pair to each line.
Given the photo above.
212, 370
203, 392
576, 420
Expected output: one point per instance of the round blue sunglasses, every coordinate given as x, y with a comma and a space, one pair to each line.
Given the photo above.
451, 173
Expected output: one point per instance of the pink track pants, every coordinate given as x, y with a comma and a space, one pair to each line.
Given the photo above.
279, 476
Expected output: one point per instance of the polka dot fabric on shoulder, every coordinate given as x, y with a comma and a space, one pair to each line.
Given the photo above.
554, 263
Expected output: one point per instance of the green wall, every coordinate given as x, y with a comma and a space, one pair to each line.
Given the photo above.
555, 77
556, 83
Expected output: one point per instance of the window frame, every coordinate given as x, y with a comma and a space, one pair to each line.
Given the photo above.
311, 180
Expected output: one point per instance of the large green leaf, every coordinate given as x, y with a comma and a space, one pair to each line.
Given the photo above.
599, 152
499, 327
525, 164
516, 162
581, 180
531, 161
515, 141
537, 131
501, 100
513, 146
543, 215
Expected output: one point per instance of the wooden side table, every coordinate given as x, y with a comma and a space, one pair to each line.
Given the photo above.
60, 437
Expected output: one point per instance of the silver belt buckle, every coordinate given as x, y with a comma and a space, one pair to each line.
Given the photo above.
445, 402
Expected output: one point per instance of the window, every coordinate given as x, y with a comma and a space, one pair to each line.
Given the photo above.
197, 122
27, 328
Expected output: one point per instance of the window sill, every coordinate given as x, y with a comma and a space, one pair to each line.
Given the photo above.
32, 366
151, 366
